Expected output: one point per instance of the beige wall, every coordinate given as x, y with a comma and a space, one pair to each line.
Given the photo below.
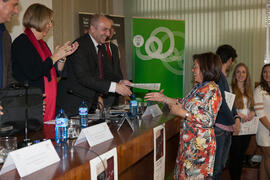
208, 24
15, 27
66, 15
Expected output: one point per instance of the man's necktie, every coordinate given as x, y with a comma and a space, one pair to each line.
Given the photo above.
109, 50
100, 66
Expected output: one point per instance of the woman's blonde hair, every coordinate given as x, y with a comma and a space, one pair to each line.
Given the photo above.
37, 16
238, 103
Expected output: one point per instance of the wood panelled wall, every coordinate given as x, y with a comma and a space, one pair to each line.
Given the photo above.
66, 25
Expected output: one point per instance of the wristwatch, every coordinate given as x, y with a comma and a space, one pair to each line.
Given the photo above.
187, 115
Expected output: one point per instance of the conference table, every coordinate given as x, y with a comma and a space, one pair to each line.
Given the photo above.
134, 152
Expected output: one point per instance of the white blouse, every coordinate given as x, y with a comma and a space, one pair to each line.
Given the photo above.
262, 101
245, 110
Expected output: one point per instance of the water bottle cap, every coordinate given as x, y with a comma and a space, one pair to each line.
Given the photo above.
36, 141
61, 110
132, 96
83, 102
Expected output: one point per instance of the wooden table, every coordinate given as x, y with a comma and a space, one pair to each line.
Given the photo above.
135, 153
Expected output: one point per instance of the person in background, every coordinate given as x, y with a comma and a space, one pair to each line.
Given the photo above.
228, 120
89, 75
8, 8
110, 99
262, 109
244, 104
1, 110
197, 145
33, 62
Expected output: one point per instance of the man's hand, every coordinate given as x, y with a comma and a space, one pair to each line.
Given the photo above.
1, 110
236, 126
122, 89
126, 82
100, 102
126, 99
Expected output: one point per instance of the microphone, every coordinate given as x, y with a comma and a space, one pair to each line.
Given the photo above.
18, 85
74, 93
77, 94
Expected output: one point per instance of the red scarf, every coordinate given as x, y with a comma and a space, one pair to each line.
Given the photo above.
50, 86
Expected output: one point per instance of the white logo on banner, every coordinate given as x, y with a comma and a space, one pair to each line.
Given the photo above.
172, 54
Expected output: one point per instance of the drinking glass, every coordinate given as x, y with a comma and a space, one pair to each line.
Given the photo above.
73, 128
7, 144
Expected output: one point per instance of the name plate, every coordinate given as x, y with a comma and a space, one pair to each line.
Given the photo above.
123, 119
95, 134
30, 159
153, 110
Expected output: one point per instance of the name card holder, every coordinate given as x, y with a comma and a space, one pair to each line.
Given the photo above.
123, 119
95, 134
153, 110
30, 159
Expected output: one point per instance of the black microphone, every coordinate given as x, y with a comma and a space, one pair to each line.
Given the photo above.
18, 85
26, 140
77, 94
74, 93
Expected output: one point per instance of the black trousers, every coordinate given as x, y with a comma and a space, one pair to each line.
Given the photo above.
237, 154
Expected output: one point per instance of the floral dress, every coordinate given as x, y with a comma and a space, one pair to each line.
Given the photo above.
197, 146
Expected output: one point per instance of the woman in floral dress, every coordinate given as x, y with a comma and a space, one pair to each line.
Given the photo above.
196, 152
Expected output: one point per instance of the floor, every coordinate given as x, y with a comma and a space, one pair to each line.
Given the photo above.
247, 174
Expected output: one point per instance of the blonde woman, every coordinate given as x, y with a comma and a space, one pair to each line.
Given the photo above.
244, 104
32, 60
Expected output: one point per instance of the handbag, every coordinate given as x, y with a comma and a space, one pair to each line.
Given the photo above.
16, 101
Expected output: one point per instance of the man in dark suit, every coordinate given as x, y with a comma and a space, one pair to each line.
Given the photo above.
87, 74
8, 8
111, 99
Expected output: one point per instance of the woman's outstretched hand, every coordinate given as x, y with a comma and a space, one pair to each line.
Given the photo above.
155, 96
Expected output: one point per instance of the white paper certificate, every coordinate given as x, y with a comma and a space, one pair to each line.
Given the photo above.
249, 127
148, 86
229, 97
159, 152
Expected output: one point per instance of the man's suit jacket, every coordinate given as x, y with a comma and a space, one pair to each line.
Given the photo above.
7, 64
81, 76
111, 99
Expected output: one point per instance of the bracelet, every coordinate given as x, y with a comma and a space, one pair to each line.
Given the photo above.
186, 115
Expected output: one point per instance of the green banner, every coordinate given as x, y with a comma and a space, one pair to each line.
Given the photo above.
158, 54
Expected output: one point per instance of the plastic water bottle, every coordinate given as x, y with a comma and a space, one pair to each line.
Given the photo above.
61, 124
133, 106
83, 111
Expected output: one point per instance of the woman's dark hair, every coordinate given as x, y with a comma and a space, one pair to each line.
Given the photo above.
210, 66
264, 83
